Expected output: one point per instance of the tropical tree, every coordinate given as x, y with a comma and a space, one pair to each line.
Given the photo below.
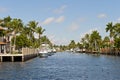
114, 31
106, 42
117, 30
95, 39
87, 41
44, 39
6, 23
83, 42
72, 44
17, 26
79, 45
39, 31
23, 35
32, 26
117, 43
26, 31
2, 33
111, 29
117, 36
21, 41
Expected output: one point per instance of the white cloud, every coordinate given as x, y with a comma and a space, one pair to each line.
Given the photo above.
60, 19
73, 27
82, 20
102, 16
60, 10
90, 31
53, 20
118, 19
48, 21
3, 9
55, 40
61, 41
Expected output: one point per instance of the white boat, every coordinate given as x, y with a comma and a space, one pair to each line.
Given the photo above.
45, 50
43, 53
54, 50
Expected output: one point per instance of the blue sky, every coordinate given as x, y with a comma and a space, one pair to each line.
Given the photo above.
64, 20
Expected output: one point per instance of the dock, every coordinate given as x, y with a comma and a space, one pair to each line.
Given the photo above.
24, 56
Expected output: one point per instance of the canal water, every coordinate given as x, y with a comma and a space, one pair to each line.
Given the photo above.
63, 66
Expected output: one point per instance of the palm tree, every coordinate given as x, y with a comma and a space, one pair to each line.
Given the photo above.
72, 45
117, 36
87, 40
95, 39
110, 28
83, 42
26, 31
6, 23
32, 26
106, 41
79, 45
40, 31
17, 26
117, 30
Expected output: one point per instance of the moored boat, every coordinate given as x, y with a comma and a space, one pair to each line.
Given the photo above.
43, 53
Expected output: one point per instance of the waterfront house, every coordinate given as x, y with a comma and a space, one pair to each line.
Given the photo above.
2, 42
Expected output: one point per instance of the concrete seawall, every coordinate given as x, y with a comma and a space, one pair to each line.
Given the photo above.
26, 54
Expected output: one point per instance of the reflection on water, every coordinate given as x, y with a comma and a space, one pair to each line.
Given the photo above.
63, 66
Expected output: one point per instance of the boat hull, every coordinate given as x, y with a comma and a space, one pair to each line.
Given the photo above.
43, 55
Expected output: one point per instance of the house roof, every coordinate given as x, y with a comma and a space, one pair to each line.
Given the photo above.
2, 43
1, 28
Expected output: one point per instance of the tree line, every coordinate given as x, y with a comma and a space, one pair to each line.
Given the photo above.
23, 34
94, 41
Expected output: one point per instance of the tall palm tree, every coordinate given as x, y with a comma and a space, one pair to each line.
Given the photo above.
117, 36
95, 40
117, 30
110, 28
17, 26
40, 31
83, 41
26, 31
106, 41
6, 23
32, 26
87, 39
72, 44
